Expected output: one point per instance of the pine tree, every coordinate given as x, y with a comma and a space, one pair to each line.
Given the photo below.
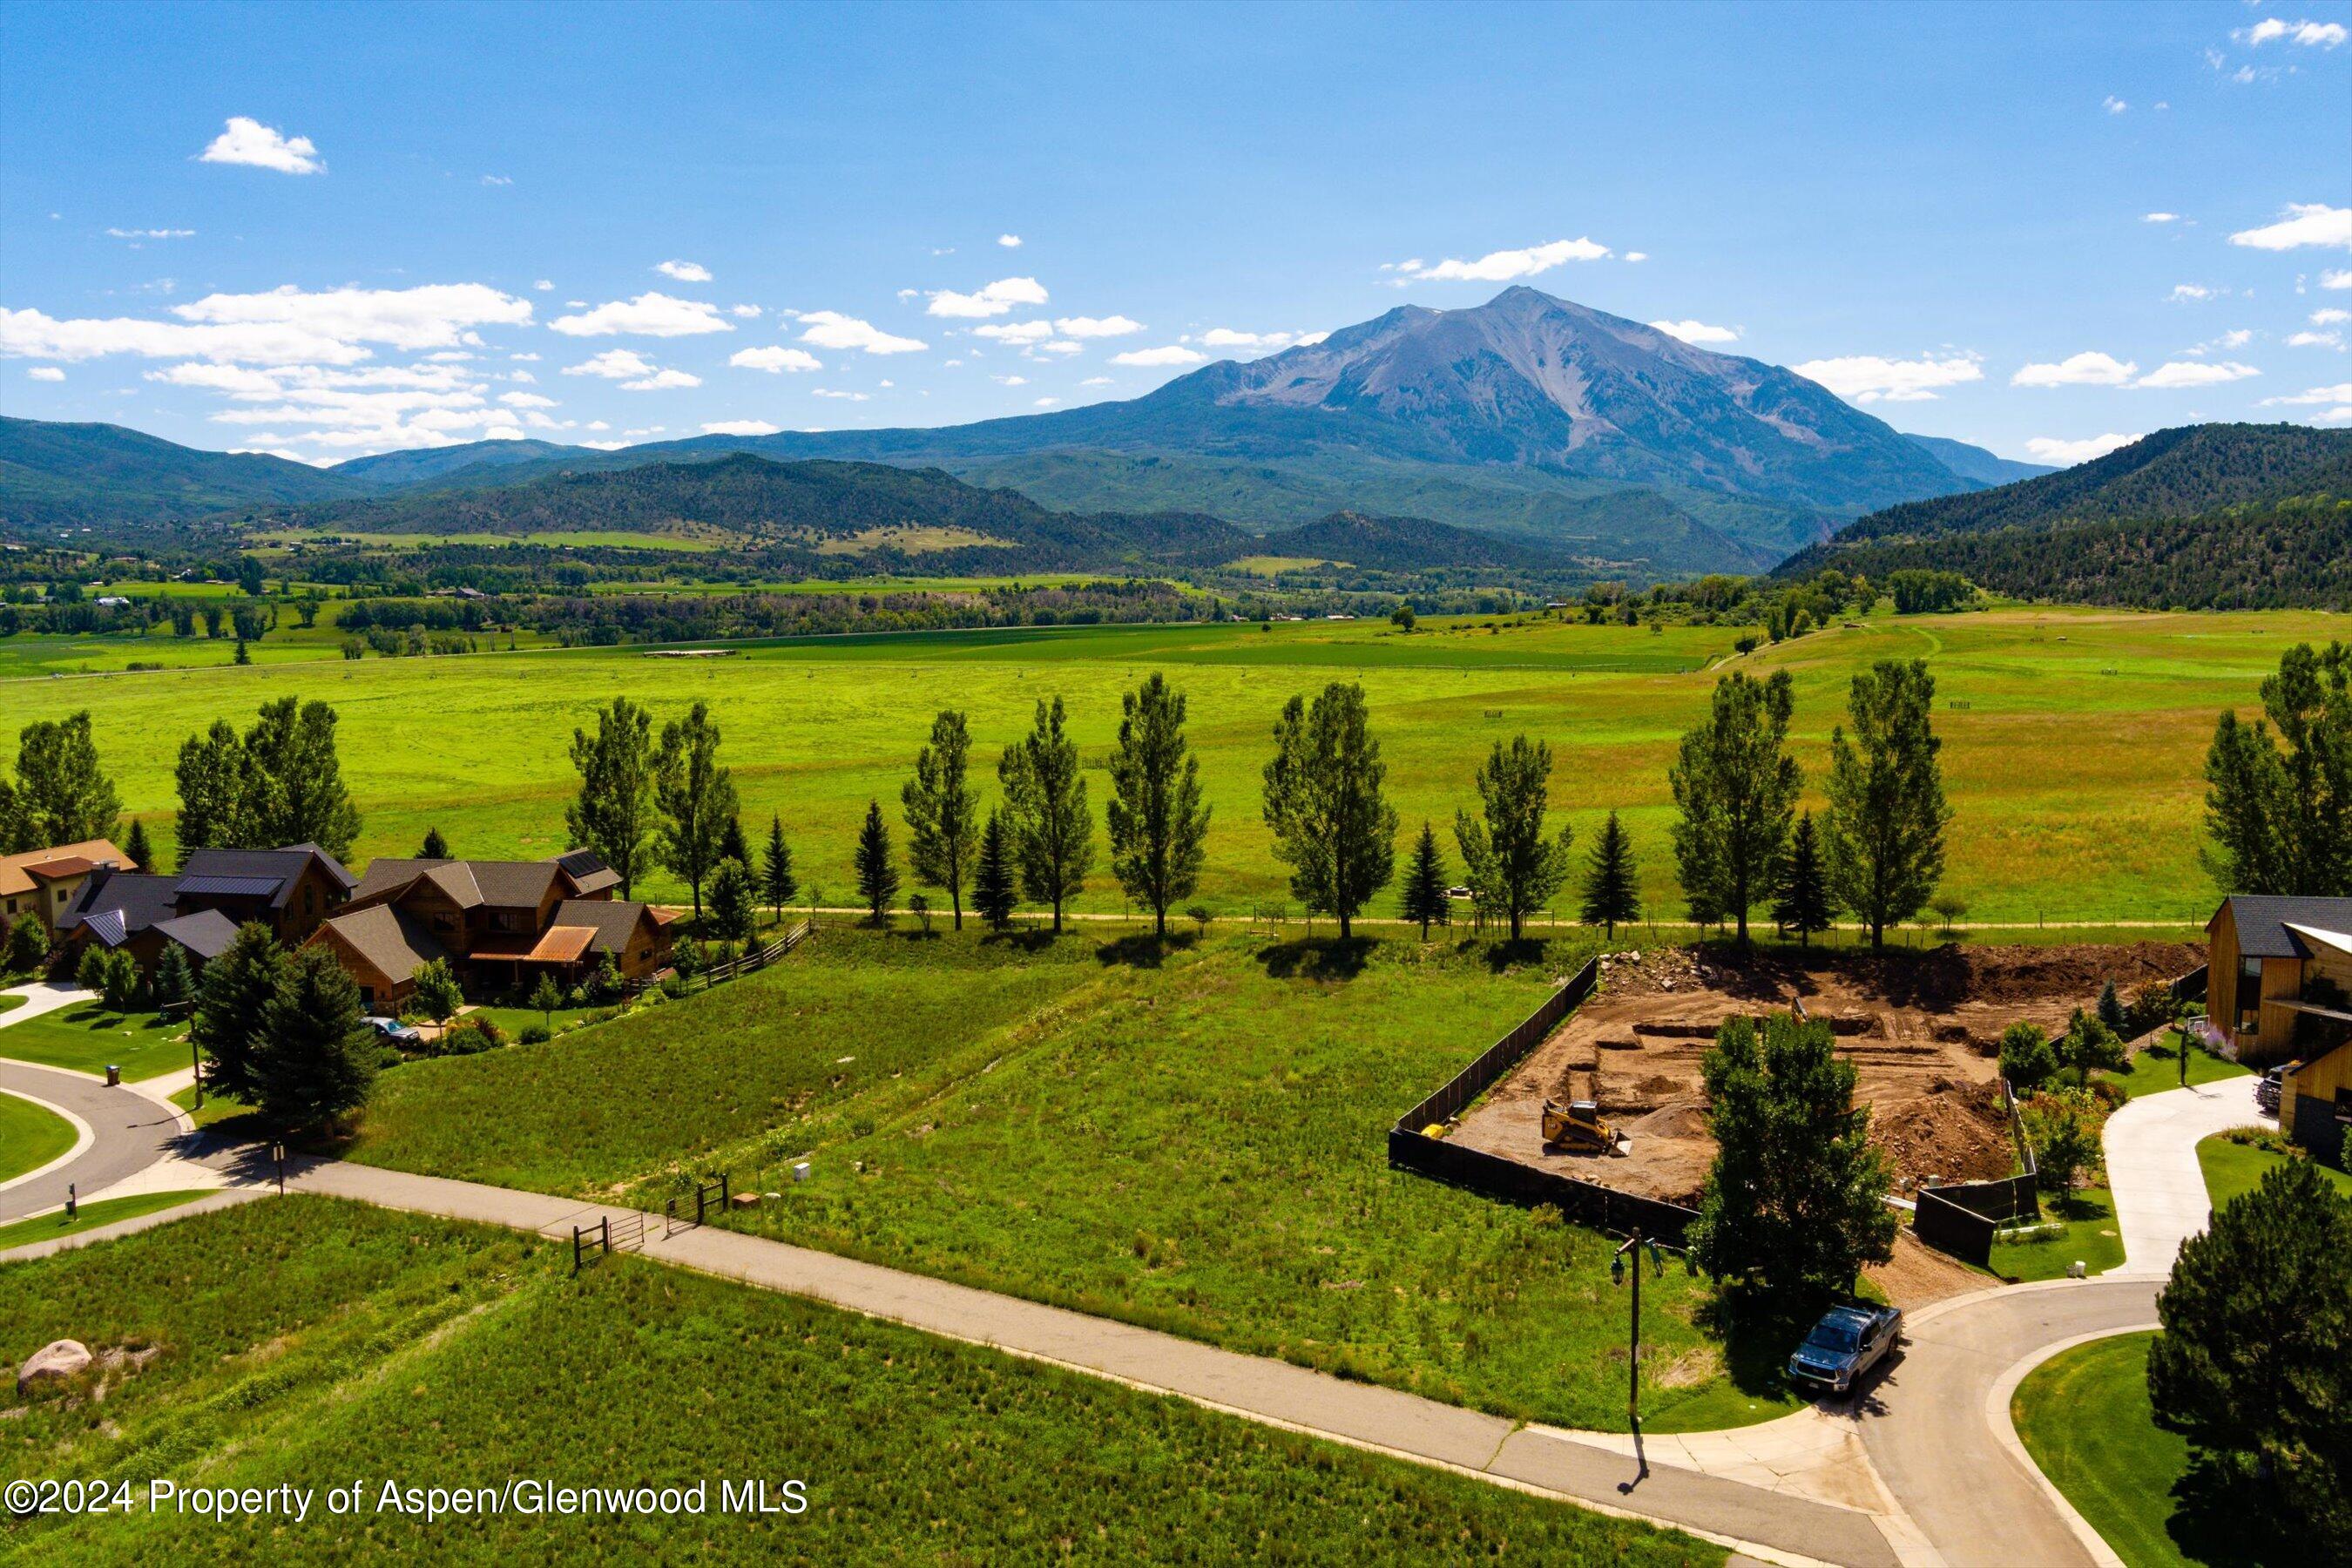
173, 981
1736, 790
135, 847
942, 812
1513, 867
731, 844
877, 873
314, 1059
434, 847
1332, 824
1802, 902
237, 987
2111, 1007
777, 883
1612, 891
1424, 885
1157, 826
1884, 836
1046, 811
993, 893
733, 911
613, 813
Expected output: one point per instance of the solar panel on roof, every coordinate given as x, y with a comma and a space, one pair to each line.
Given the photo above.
232, 887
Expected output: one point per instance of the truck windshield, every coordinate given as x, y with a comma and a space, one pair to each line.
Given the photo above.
1832, 1337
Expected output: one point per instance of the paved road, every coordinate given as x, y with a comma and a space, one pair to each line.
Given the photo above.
1788, 1528
129, 1132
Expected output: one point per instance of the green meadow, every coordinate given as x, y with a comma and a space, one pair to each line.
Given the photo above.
2074, 739
306, 1342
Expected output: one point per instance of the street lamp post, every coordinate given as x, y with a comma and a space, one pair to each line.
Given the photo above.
1634, 1244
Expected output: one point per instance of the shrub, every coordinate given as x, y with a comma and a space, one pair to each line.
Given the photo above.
532, 1035
461, 1039
28, 944
2026, 1058
437, 993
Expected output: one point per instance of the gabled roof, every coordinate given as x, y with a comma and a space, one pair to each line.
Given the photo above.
586, 871
469, 884
282, 866
395, 943
612, 921
98, 851
2263, 921
58, 870
206, 933
141, 901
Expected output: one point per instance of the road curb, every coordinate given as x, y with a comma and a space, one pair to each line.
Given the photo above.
2004, 1431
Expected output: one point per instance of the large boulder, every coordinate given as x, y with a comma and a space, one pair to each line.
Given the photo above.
54, 1363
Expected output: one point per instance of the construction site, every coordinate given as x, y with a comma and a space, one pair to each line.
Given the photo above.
1922, 1029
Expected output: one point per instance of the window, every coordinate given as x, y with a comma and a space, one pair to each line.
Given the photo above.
2344, 1105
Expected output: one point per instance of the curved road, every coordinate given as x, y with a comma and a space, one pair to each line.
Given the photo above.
129, 1132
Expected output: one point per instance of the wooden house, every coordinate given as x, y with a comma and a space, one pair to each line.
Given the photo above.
2279, 974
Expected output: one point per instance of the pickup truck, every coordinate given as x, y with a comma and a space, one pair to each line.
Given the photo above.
1846, 1342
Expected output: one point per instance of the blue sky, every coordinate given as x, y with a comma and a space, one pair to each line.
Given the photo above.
335, 230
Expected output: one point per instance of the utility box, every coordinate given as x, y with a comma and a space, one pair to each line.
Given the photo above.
799, 1171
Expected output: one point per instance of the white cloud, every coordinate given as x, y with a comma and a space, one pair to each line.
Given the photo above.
1698, 332
30, 334
1173, 354
497, 180
1500, 266
153, 233
2113, 104
251, 142
1046, 402
993, 300
2309, 223
1059, 346
663, 381
775, 361
2316, 341
684, 272
544, 284
525, 400
2191, 291
844, 396
2330, 317
744, 312
433, 316
1312, 338
2177, 374
2159, 217
2342, 280
1011, 380
1096, 381
1010, 241
2236, 338
2340, 393
2078, 370
1868, 378
735, 427
1016, 331
1637, 255
2310, 35
1228, 337
831, 329
612, 364
650, 315
2066, 454
1095, 326
46, 373
524, 358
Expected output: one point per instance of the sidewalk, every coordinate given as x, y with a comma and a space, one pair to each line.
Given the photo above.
1764, 1521
2152, 1170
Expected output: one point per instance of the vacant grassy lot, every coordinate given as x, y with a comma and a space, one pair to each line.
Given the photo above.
2232, 1170
1193, 1140
88, 1037
308, 1343
30, 1136
2075, 739
2089, 1233
2158, 1069
89, 1216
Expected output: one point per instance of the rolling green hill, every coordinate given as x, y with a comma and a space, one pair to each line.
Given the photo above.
59, 476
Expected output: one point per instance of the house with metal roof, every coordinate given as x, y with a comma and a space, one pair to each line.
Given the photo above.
2279, 974
289, 890
43, 882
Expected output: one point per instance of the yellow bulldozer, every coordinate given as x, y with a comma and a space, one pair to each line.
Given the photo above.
1579, 1127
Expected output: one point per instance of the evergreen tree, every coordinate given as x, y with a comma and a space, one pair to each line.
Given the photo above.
2251, 1366
294, 780
212, 779
877, 873
732, 845
2111, 1008
1885, 832
172, 982
1046, 811
2282, 818
993, 893
62, 795
1424, 885
942, 811
697, 796
135, 847
237, 987
777, 883
1802, 902
1157, 826
314, 1060
613, 815
733, 911
1513, 867
243, 655
1736, 789
434, 847
1332, 824
1795, 1202
1612, 890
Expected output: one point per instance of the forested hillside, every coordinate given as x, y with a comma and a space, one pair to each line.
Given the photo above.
56, 476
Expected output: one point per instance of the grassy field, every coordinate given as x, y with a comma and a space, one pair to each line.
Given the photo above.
2088, 1232
87, 1038
2084, 1416
2158, 1069
30, 1135
2073, 750
1193, 1140
310, 1343
89, 1216
2232, 1170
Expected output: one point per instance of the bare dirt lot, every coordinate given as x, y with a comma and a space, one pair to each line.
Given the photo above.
1922, 1029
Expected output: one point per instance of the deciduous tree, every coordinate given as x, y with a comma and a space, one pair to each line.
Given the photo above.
2280, 805
211, 776
1514, 868
437, 992
1159, 828
942, 811
63, 796
1884, 830
1046, 811
1736, 789
294, 780
697, 797
1332, 824
613, 813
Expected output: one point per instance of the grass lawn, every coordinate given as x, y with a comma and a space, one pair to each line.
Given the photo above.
816, 728
10, 1003
86, 1037
2089, 1233
512, 1021
2232, 1170
215, 1108
1193, 1142
309, 1343
2158, 1069
89, 1216
2083, 1415
30, 1136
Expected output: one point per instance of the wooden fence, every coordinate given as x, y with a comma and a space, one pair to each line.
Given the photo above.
1491, 1175
759, 957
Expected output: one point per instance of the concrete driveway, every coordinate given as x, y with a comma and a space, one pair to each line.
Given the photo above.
2151, 1153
